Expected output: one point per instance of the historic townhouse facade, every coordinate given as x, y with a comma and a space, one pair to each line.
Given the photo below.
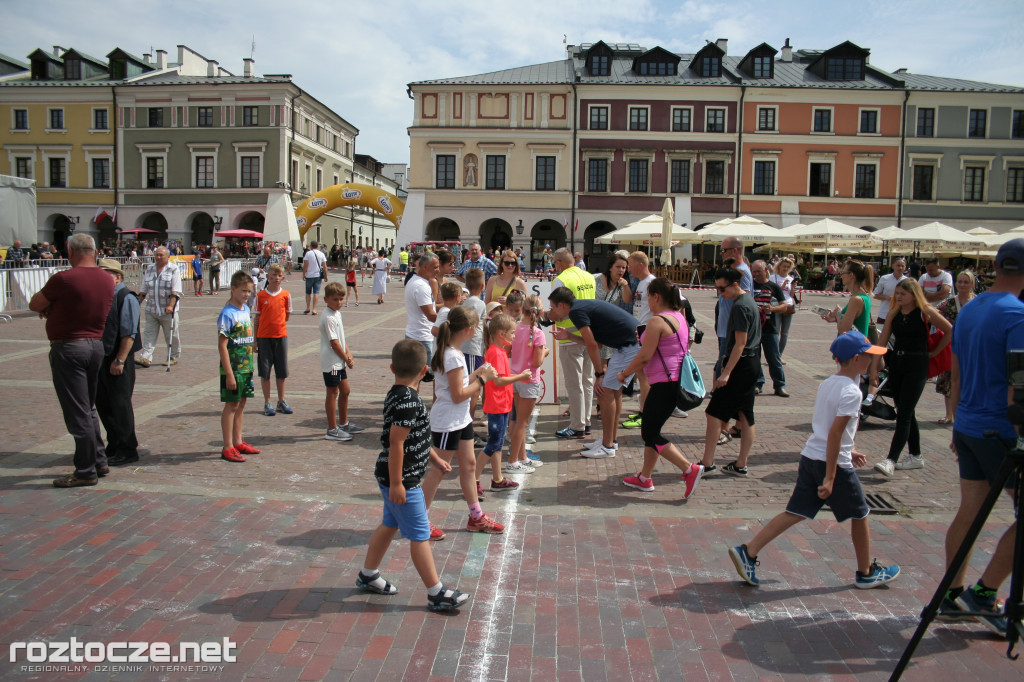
182, 148
789, 136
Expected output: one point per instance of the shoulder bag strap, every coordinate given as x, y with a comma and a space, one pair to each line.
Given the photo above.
675, 332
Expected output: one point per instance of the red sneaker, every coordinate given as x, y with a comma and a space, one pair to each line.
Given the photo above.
436, 533
232, 455
247, 449
484, 524
635, 482
692, 478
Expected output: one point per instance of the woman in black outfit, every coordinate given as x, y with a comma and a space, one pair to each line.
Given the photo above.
909, 321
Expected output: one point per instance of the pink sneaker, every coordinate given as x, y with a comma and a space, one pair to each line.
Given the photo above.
692, 478
635, 482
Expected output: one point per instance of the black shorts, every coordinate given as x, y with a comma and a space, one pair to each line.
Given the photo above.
449, 440
273, 353
332, 379
847, 498
738, 395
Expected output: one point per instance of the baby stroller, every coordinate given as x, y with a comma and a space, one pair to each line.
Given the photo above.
880, 407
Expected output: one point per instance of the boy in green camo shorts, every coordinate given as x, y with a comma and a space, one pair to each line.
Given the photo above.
234, 341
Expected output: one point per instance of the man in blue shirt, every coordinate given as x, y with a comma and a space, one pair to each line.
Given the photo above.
986, 328
476, 259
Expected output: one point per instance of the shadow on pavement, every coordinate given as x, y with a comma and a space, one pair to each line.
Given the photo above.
322, 538
310, 603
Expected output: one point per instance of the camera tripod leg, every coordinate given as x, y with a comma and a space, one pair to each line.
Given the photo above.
1010, 464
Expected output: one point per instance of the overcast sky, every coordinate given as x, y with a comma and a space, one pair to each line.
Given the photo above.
358, 56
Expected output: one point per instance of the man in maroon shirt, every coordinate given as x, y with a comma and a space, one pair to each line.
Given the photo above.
75, 304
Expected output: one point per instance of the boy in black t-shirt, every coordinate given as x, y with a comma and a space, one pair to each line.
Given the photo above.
401, 464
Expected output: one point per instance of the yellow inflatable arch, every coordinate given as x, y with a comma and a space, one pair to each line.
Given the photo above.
348, 194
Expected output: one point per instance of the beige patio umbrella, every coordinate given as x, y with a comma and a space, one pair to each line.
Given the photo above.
744, 228
828, 232
937, 237
649, 231
668, 215
981, 231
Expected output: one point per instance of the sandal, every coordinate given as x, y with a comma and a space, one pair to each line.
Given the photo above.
945, 421
735, 432
305, 312
725, 438
566, 413
367, 585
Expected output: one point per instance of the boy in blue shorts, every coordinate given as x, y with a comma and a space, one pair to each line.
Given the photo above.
826, 468
405, 443
234, 342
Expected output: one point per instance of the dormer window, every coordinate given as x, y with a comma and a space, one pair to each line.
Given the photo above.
118, 69
601, 65
72, 69
762, 67
39, 71
844, 69
657, 69
656, 62
711, 67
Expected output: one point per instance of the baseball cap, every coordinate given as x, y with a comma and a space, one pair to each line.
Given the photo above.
1013, 251
110, 265
853, 343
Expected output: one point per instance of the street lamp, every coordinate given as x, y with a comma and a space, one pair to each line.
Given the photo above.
72, 222
520, 228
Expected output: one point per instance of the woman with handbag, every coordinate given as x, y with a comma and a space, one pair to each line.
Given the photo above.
950, 308
909, 321
668, 337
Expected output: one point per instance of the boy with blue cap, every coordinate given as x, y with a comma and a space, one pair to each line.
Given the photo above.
826, 468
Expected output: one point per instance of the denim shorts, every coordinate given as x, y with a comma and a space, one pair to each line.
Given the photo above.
313, 285
981, 458
847, 498
621, 357
410, 518
497, 425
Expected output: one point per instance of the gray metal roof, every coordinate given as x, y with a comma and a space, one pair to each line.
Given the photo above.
13, 61
791, 74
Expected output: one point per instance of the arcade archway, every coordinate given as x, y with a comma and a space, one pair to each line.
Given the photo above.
596, 255
442, 230
495, 234
546, 234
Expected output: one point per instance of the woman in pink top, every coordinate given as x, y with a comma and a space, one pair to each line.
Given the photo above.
663, 345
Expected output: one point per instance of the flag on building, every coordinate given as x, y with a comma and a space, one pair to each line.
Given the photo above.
576, 227
113, 218
100, 215
565, 224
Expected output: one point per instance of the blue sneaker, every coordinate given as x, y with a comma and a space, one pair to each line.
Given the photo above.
746, 565
973, 600
569, 432
284, 408
950, 611
877, 576
268, 409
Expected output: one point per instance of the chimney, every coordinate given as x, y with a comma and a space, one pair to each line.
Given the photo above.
787, 52
148, 58
900, 71
247, 67
723, 45
161, 59
211, 68
58, 51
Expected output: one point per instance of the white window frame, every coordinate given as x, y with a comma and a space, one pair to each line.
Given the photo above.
935, 121
1009, 162
61, 152
725, 121
147, 151
92, 153
976, 160
629, 156
92, 120
609, 158
672, 118
832, 121
878, 121
830, 159
935, 180
676, 156
629, 118
49, 117
28, 120
15, 152
545, 151
197, 149
988, 128
249, 149
865, 161
727, 158
765, 156
607, 116
757, 120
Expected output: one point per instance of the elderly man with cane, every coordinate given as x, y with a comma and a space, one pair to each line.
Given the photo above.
121, 338
161, 291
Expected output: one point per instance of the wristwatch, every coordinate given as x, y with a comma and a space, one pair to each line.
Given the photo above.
482, 382
598, 374
118, 361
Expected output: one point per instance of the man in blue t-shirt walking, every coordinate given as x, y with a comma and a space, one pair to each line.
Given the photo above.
987, 327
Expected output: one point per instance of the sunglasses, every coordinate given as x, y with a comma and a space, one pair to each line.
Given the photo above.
721, 290
511, 263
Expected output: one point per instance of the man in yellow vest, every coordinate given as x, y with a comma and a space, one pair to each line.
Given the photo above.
576, 364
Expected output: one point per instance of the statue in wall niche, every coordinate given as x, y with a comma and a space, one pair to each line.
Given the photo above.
469, 174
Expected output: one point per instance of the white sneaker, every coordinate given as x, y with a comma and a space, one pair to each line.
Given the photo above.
886, 467
870, 398
517, 468
530, 439
910, 462
337, 434
599, 451
679, 413
600, 443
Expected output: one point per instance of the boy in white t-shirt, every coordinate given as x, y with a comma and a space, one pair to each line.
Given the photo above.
450, 292
826, 468
334, 357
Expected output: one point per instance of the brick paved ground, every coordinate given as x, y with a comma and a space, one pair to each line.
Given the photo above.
592, 581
